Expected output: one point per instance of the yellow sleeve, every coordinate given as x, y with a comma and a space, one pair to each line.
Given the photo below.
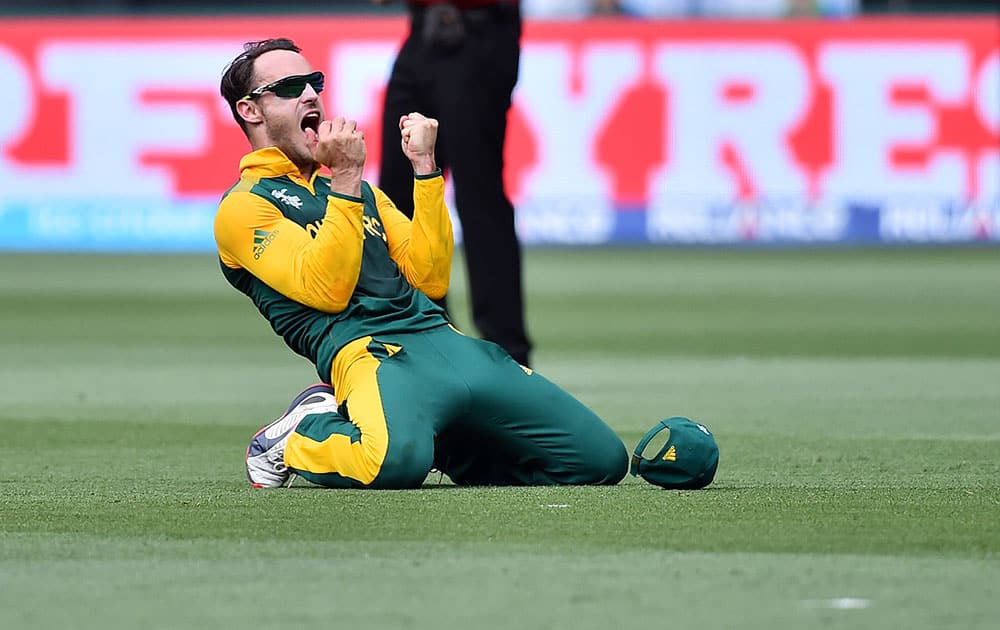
319, 272
422, 248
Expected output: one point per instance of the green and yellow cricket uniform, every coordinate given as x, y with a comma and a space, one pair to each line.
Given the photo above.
345, 282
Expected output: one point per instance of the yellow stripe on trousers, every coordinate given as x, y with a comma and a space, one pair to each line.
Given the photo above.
354, 379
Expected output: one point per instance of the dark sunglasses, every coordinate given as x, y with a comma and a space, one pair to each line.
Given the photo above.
290, 87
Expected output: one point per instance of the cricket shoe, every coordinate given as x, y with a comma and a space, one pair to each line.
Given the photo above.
265, 457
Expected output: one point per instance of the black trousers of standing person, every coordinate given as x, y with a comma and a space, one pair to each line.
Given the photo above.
461, 67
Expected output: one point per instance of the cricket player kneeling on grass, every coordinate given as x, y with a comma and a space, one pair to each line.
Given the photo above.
687, 460
348, 281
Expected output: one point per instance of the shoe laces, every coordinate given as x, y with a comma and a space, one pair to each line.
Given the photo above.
276, 457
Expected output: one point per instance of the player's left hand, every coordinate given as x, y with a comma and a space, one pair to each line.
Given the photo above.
418, 138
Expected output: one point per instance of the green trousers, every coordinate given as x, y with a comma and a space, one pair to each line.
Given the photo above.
410, 402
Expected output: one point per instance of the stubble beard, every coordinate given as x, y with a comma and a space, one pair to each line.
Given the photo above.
292, 143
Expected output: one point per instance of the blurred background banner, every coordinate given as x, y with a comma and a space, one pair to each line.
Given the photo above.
113, 136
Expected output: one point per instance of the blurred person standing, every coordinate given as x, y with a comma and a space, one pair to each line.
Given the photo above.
459, 64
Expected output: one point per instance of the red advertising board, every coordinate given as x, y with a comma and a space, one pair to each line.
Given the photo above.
672, 120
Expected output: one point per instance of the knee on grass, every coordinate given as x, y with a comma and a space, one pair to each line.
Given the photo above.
406, 466
606, 465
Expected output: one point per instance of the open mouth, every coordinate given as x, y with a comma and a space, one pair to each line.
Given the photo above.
310, 121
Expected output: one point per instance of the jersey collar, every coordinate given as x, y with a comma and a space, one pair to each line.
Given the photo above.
272, 162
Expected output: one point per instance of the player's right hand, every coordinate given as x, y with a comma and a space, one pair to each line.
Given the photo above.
339, 144
341, 147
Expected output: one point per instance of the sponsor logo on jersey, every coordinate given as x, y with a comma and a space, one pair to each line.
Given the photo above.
283, 196
374, 227
261, 240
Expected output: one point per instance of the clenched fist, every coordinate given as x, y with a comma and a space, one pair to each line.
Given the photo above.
339, 145
418, 137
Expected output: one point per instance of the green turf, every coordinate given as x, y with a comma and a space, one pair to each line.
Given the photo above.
855, 396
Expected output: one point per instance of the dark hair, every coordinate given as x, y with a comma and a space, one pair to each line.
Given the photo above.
237, 78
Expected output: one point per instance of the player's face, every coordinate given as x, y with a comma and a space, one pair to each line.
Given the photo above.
286, 115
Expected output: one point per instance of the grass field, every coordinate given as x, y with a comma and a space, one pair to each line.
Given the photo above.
855, 396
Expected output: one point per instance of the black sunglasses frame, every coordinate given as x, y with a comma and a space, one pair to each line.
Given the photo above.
290, 87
